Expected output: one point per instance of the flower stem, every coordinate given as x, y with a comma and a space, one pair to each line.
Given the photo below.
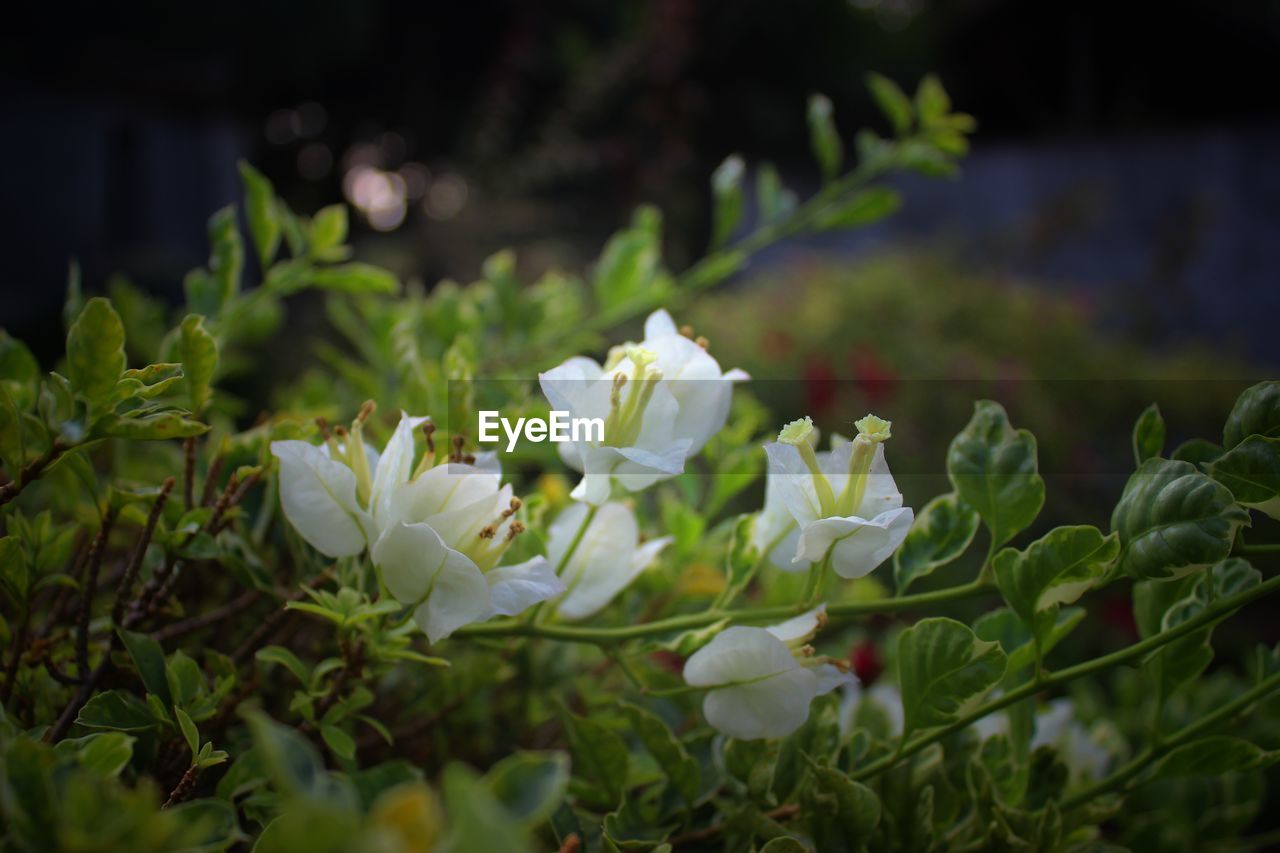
1062, 676
622, 633
1185, 734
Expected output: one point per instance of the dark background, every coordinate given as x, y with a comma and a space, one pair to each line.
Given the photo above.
1126, 151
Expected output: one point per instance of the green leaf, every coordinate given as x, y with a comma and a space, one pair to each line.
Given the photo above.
940, 534
1173, 519
1148, 435
342, 744
261, 211
784, 844
19, 371
675, 761
148, 382
478, 821
216, 821
148, 657
1251, 470
863, 208
775, 201
329, 232
932, 102
994, 470
893, 102
226, 260
106, 752
354, 277
1212, 756
289, 758
1055, 569
199, 353
599, 762
95, 353
627, 268
851, 811
1256, 412
189, 731
1197, 451
117, 710
530, 785
153, 427
742, 560
941, 666
726, 188
824, 139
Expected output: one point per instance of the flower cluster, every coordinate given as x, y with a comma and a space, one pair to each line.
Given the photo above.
436, 531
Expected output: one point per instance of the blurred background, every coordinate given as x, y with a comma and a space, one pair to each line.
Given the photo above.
1125, 159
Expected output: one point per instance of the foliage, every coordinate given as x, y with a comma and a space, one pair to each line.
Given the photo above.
216, 631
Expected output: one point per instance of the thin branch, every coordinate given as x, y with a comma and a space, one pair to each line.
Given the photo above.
32, 471
125, 589
96, 553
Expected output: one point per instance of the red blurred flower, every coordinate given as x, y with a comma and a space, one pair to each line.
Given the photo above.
819, 387
865, 662
875, 379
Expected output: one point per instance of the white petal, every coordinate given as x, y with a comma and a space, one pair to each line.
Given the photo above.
513, 589
801, 627
602, 565
738, 654
771, 708
459, 596
793, 481
882, 492
437, 490
394, 465
774, 530
318, 495
737, 374
830, 677
659, 324
860, 545
408, 557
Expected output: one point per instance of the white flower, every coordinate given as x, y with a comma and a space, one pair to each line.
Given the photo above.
660, 401
435, 533
1058, 727
843, 502
597, 563
761, 681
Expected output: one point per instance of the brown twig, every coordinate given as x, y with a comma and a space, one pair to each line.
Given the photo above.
98, 548
125, 589
189, 472
269, 624
204, 620
15, 655
32, 471
211, 479
183, 789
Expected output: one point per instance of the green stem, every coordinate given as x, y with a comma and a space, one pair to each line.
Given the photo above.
813, 585
608, 635
1260, 549
532, 616
1130, 653
1186, 734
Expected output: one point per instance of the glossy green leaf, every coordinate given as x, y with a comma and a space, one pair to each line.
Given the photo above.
940, 534
1256, 412
1173, 519
994, 469
1148, 435
95, 353
262, 213
1054, 570
342, 744
1197, 451
153, 427
1251, 470
189, 731
846, 812
117, 710
824, 139
942, 665
106, 752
